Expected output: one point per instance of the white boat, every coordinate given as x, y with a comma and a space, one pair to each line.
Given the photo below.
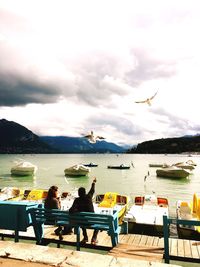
77, 170
187, 210
24, 168
145, 216
172, 172
185, 165
8, 193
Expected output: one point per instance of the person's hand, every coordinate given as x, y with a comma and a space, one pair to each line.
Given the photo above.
94, 180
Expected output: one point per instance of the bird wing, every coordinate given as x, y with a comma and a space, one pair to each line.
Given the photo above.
87, 136
144, 101
153, 96
100, 137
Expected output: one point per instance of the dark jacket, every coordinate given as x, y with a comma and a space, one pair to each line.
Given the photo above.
84, 203
52, 203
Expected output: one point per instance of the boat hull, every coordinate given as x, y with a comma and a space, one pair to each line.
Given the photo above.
172, 173
119, 167
23, 172
145, 229
188, 233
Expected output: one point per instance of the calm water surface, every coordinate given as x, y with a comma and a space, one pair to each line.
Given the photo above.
130, 182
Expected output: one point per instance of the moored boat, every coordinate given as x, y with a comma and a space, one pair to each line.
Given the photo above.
91, 164
145, 216
119, 167
77, 170
160, 165
187, 210
172, 172
110, 201
24, 168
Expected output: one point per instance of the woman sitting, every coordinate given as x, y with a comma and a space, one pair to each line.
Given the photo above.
52, 201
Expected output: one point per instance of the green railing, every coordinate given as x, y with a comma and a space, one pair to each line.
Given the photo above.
166, 222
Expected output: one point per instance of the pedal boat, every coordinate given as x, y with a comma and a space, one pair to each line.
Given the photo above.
145, 216
187, 210
110, 201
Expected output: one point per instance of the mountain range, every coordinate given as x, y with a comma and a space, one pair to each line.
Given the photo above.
16, 138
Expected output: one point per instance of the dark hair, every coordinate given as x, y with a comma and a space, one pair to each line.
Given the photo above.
81, 192
52, 191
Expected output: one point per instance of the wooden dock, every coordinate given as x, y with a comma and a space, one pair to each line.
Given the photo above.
130, 245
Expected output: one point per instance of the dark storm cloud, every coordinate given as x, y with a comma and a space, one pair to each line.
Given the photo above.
15, 92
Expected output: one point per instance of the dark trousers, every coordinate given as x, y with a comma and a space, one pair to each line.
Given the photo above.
94, 236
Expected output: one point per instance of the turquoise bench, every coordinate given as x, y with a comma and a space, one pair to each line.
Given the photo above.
88, 220
14, 215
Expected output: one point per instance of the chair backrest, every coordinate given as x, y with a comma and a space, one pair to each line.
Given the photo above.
109, 200
36, 195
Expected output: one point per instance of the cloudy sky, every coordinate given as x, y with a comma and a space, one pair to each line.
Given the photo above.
68, 67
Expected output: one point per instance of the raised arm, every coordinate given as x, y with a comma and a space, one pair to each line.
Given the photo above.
92, 189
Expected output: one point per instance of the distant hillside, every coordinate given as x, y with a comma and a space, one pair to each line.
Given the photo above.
80, 145
15, 138
168, 145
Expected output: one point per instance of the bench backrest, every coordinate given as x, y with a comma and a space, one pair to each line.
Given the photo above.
50, 216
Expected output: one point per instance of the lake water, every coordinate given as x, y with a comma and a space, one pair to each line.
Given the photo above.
130, 182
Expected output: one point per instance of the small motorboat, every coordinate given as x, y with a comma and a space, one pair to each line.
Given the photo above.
187, 210
91, 164
172, 172
24, 168
112, 201
77, 170
145, 216
119, 167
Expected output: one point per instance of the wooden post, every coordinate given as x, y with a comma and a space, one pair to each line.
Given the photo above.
166, 238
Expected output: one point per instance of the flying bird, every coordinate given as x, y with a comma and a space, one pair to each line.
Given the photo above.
92, 138
148, 100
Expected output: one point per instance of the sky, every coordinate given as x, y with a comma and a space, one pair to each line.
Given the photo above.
71, 66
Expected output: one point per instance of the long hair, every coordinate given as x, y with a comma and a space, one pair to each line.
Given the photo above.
52, 192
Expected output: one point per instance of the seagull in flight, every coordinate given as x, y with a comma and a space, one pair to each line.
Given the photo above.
92, 138
148, 100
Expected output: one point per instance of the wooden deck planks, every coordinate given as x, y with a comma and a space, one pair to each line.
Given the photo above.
141, 246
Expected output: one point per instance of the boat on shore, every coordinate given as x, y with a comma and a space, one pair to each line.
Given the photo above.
24, 168
172, 172
187, 210
111, 201
119, 167
145, 216
77, 170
